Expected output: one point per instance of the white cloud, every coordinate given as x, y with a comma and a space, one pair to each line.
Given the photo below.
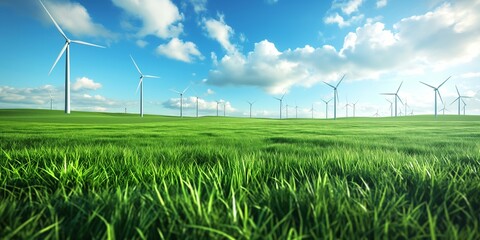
221, 32
381, 3
351, 6
199, 6
74, 18
337, 19
179, 50
160, 18
445, 37
470, 75
210, 92
141, 43
85, 83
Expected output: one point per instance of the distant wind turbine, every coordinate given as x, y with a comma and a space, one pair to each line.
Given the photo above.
296, 110
459, 98
218, 102
353, 104
335, 96
224, 105
464, 106
181, 98
286, 116
346, 109
376, 114
280, 100
251, 103
140, 84
66, 50
51, 99
396, 97
326, 107
312, 110
436, 92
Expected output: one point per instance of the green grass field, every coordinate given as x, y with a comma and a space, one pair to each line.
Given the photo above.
100, 175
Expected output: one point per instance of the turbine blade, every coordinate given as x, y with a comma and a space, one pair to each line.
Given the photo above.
150, 76
54, 22
400, 99
440, 96
88, 44
340, 81
134, 63
329, 85
175, 91
140, 82
458, 98
277, 98
186, 89
457, 91
444, 82
387, 93
59, 55
427, 85
399, 87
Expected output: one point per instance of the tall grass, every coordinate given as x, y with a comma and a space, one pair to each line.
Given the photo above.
100, 176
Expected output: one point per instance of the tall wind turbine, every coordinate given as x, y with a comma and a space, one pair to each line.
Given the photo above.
140, 84
51, 99
218, 102
251, 103
66, 50
335, 96
326, 107
459, 98
436, 92
181, 98
396, 97
280, 100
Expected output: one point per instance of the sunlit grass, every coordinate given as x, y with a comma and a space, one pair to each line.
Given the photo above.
92, 175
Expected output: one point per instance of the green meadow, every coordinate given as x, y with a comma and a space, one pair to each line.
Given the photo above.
103, 175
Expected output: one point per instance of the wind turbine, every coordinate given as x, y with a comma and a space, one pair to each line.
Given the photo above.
280, 100
181, 98
312, 110
251, 103
218, 102
396, 97
346, 109
66, 50
464, 106
436, 92
286, 116
444, 109
224, 104
391, 107
459, 98
51, 99
296, 110
376, 114
140, 84
326, 107
354, 107
335, 96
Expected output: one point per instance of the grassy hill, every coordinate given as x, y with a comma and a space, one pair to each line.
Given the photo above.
104, 175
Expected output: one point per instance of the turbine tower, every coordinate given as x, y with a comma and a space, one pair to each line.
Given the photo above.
181, 99
459, 98
218, 102
51, 99
335, 96
435, 89
396, 97
251, 103
354, 108
312, 110
280, 100
140, 84
66, 50
326, 107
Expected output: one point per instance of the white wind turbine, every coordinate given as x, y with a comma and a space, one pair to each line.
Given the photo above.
459, 98
140, 84
335, 96
280, 100
326, 107
66, 50
353, 104
296, 110
436, 92
181, 98
251, 103
286, 116
224, 105
312, 110
51, 99
218, 102
396, 97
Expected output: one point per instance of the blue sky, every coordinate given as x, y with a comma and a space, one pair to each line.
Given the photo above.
238, 51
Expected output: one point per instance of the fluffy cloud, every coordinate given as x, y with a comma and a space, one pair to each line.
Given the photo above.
74, 18
160, 18
203, 105
141, 43
442, 38
381, 3
199, 6
221, 32
179, 50
349, 7
85, 83
341, 22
